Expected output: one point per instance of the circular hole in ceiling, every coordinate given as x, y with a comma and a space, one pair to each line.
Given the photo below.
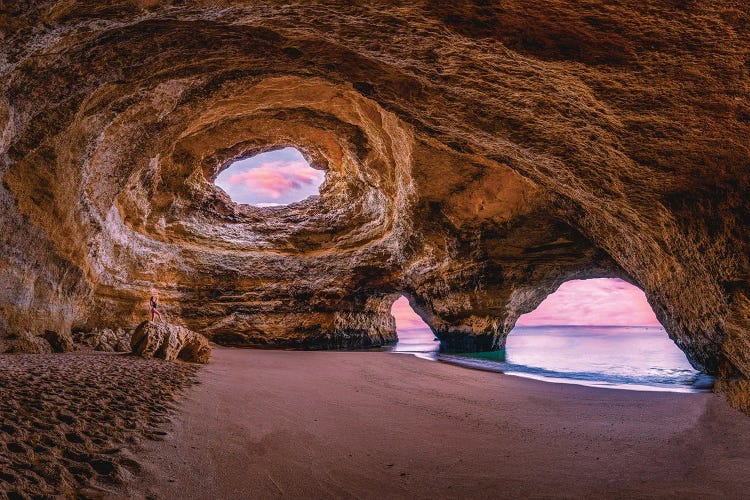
273, 178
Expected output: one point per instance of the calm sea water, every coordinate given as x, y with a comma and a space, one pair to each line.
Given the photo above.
638, 358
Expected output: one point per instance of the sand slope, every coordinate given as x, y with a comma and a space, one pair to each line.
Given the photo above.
333, 424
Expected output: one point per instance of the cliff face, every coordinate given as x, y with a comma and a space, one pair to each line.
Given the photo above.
476, 158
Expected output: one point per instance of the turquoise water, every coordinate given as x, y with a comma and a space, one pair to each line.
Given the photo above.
634, 357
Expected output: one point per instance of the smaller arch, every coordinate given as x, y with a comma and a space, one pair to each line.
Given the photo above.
414, 335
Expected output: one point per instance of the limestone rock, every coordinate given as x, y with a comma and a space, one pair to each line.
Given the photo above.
60, 342
169, 342
122, 340
105, 339
27, 343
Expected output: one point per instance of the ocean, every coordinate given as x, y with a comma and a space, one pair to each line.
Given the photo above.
621, 357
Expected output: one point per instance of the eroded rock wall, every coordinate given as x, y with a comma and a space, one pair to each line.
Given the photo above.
476, 156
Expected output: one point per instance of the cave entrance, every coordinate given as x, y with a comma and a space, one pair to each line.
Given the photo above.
414, 335
599, 332
596, 332
273, 178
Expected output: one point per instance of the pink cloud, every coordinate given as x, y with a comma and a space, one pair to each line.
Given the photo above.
275, 179
605, 301
406, 318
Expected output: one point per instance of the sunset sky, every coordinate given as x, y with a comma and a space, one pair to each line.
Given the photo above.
606, 301
275, 178
406, 318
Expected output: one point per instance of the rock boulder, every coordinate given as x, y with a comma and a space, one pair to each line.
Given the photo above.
169, 342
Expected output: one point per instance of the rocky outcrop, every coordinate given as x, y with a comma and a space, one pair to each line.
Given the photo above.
105, 339
169, 342
476, 157
27, 343
60, 342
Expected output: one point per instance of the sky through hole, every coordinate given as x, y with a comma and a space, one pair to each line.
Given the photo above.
273, 178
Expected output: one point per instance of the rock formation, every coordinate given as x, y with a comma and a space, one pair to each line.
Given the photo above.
26, 343
105, 339
476, 157
169, 342
60, 342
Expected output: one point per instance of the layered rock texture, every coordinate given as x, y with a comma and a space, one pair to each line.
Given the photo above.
477, 155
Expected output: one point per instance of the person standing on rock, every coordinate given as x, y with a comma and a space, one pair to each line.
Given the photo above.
154, 301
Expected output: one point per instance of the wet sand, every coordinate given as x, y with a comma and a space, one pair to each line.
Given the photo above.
265, 424
69, 422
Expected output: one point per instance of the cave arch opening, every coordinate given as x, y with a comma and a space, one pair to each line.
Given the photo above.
599, 332
277, 177
414, 335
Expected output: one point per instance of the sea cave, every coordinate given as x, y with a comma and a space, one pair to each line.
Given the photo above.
275, 175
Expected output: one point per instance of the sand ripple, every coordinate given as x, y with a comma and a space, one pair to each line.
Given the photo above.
67, 421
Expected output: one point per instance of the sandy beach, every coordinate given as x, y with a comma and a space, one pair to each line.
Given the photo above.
68, 422
264, 424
